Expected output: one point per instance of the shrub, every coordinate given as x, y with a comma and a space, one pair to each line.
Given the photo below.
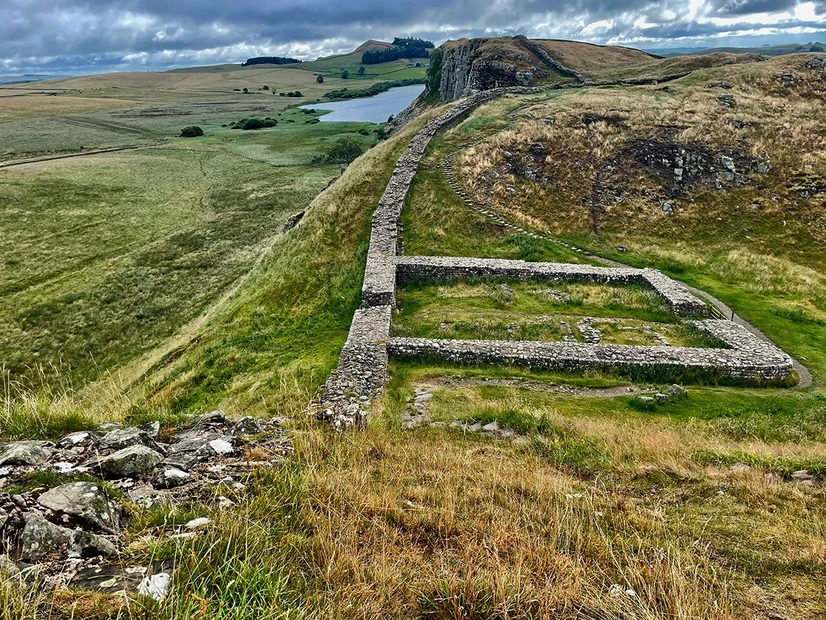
320, 79
345, 74
343, 151
255, 123
193, 131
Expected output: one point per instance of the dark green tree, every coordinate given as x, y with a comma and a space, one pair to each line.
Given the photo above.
343, 151
320, 79
345, 74
361, 70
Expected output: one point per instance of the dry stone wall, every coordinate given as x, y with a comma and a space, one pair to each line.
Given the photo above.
675, 295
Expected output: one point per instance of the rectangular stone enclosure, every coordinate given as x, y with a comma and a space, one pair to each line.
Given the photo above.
362, 369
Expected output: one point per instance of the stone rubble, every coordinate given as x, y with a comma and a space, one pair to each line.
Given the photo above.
70, 534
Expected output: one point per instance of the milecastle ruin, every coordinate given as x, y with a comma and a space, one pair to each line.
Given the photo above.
363, 366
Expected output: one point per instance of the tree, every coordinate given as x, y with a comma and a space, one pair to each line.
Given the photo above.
193, 131
246, 90
320, 79
266, 88
361, 70
343, 151
345, 74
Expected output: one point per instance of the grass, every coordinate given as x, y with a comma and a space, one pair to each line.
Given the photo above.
121, 263
486, 310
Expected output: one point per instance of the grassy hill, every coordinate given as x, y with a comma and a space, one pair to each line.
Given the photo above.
159, 276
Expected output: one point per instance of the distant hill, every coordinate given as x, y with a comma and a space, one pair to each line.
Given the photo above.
372, 46
765, 50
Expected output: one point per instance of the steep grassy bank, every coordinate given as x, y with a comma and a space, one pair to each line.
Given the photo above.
279, 338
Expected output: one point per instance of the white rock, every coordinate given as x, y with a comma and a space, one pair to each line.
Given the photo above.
155, 586
199, 522
221, 446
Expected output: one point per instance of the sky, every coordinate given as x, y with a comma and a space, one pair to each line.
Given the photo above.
93, 36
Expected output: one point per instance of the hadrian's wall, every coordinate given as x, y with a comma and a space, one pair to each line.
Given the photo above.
362, 367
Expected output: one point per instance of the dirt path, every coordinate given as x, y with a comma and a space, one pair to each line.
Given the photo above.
116, 149
567, 390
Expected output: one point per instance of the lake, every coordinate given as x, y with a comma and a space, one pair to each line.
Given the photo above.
374, 109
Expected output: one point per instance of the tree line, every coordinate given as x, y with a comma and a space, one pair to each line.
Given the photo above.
402, 48
269, 60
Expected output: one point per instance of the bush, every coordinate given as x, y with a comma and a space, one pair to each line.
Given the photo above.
345, 74
320, 79
193, 131
255, 123
343, 151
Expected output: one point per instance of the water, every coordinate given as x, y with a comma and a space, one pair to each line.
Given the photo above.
374, 109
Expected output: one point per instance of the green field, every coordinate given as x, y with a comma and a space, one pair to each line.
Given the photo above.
109, 255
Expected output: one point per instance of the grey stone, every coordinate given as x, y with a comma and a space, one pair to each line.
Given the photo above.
726, 101
803, 475
660, 397
675, 391
152, 429
129, 462
247, 426
648, 400
169, 478
78, 439
127, 437
87, 545
26, 453
86, 503
4, 516
728, 163
40, 539
216, 417
491, 427
191, 448
667, 208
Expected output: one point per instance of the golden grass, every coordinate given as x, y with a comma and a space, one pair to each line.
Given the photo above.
32, 105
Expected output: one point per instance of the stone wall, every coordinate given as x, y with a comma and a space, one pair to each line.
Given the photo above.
747, 358
679, 299
362, 369
345, 398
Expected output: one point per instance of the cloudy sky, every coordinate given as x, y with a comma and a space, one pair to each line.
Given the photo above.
85, 36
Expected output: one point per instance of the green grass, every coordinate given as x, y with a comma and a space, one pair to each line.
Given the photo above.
490, 310
334, 65
140, 243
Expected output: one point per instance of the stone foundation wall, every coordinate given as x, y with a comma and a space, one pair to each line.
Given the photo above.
748, 358
362, 369
679, 299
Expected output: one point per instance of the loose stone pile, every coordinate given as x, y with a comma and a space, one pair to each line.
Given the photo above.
69, 534
362, 370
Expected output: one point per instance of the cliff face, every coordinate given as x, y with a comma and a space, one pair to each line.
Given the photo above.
471, 67
482, 64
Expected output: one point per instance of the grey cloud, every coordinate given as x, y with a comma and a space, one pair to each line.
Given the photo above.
97, 35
